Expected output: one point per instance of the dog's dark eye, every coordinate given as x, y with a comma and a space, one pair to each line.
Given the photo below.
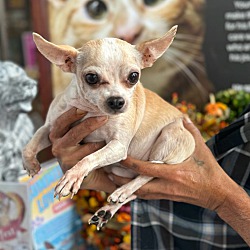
133, 77
152, 2
91, 78
96, 9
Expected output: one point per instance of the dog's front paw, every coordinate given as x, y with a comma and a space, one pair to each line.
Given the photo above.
102, 216
31, 165
120, 195
70, 183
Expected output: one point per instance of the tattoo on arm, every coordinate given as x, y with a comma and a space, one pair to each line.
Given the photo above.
199, 162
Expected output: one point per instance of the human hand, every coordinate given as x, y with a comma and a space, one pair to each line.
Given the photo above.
68, 150
199, 180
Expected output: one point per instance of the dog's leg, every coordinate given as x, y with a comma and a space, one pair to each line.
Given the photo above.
105, 213
121, 194
174, 145
113, 152
39, 141
116, 201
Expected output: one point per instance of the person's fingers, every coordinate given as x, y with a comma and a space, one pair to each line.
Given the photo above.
76, 134
63, 123
98, 180
201, 149
89, 148
148, 168
118, 180
71, 156
155, 186
149, 191
154, 196
161, 189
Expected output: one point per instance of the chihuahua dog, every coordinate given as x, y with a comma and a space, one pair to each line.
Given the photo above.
140, 123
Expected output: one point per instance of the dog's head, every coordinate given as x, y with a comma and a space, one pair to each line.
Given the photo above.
107, 70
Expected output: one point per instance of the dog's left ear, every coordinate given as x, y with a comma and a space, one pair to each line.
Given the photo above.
63, 56
153, 49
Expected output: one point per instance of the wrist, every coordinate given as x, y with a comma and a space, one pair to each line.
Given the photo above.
235, 198
235, 210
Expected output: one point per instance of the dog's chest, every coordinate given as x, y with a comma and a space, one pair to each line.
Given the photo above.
114, 129
98, 136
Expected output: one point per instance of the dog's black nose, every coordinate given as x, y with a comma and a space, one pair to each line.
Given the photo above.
115, 103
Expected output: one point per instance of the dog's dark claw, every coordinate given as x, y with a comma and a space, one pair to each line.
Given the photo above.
103, 224
111, 202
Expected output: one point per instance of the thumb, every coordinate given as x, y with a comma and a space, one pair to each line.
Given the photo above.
192, 129
118, 180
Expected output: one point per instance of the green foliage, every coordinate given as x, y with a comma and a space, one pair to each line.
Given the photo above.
236, 100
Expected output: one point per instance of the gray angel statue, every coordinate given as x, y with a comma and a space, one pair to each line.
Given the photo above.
17, 91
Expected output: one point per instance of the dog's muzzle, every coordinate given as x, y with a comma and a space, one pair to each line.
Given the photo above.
115, 102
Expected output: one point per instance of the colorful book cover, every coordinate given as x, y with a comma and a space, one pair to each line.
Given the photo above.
15, 224
55, 224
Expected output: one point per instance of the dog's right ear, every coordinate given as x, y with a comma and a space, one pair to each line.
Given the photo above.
151, 50
63, 56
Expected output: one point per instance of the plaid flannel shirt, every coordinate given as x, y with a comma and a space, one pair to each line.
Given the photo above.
168, 225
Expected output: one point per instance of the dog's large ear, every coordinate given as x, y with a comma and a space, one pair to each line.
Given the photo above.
153, 49
63, 56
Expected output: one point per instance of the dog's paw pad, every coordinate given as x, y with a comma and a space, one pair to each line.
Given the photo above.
95, 218
100, 219
106, 215
101, 213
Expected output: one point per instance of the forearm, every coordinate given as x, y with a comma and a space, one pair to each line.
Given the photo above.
235, 211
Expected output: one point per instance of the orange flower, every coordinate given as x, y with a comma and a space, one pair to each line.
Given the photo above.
123, 217
216, 109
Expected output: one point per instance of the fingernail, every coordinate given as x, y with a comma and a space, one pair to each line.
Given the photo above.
111, 177
98, 145
187, 119
80, 112
101, 118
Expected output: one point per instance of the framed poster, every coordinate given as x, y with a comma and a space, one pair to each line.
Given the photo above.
181, 69
210, 51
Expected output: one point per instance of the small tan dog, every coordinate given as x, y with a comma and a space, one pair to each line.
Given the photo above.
140, 124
